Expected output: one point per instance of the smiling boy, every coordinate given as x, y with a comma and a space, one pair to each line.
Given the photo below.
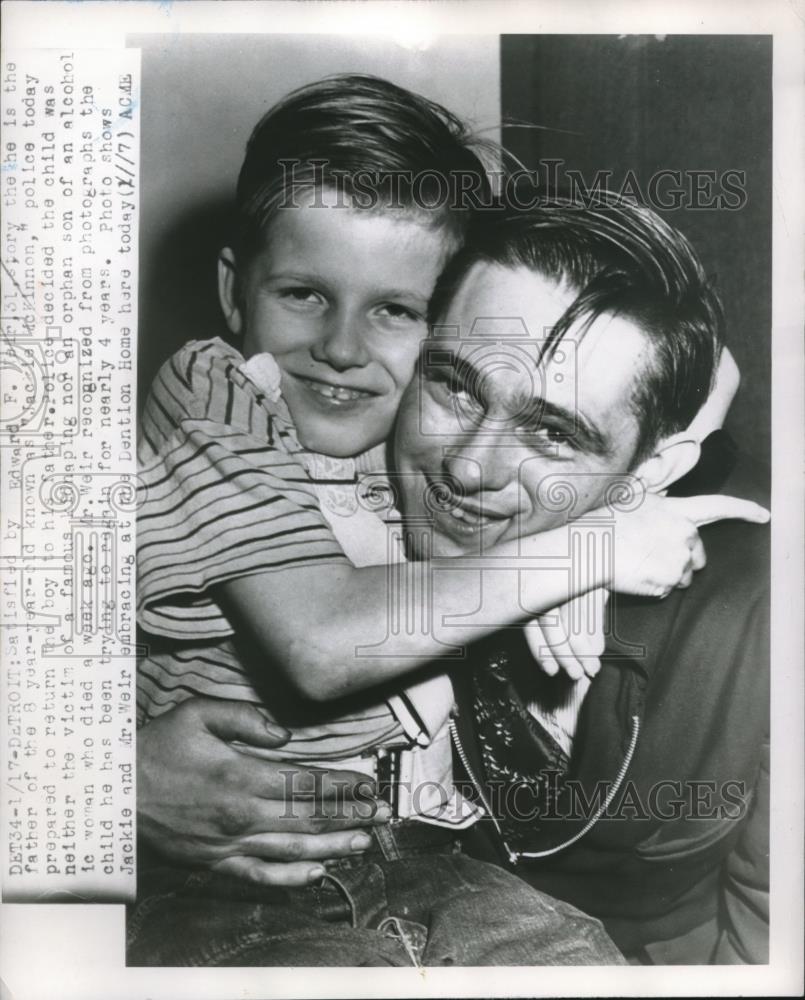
340, 297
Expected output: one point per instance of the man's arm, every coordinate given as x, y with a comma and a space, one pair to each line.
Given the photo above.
201, 802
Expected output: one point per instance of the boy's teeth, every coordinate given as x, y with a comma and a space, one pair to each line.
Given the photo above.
335, 392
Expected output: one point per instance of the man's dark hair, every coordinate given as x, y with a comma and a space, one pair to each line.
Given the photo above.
382, 145
625, 260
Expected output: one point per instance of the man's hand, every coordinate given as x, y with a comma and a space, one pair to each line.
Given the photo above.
202, 802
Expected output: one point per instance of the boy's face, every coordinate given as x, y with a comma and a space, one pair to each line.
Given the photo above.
339, 296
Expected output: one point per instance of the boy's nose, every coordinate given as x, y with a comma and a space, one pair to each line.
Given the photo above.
343, 344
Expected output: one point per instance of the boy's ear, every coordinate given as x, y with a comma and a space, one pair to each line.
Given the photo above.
673, 457
228, 291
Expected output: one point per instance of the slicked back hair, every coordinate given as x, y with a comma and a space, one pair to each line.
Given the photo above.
622, 259
387, 147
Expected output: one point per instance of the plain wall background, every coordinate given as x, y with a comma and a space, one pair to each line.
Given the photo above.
687, 102
201, 97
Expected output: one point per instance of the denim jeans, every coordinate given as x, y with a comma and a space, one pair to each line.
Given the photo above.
413, 899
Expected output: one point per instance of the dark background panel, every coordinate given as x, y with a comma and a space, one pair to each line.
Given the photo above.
651, 103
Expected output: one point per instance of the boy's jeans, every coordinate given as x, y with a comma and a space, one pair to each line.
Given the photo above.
430, 905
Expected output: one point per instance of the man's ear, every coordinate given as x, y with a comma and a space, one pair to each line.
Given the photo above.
228, 291
673, 457
714, 409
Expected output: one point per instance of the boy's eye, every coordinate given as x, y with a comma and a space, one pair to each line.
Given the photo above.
300, 294
396, 311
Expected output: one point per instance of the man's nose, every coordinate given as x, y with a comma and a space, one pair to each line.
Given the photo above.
343, 344
482, 466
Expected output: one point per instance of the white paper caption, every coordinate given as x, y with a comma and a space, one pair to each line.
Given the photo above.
70, 156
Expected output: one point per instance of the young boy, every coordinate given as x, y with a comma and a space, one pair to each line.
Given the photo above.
251, 536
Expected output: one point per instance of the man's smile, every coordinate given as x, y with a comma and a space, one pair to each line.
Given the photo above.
463, 518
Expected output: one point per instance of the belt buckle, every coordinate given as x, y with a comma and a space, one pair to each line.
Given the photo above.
387, 775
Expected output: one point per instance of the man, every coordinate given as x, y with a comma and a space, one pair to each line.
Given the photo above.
639, 796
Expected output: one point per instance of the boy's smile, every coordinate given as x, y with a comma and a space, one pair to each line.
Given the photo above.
339, 296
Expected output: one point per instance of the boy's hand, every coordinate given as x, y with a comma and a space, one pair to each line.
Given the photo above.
571, 637
657, 546
201, 802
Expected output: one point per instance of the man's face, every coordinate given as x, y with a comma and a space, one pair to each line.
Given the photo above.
508, 437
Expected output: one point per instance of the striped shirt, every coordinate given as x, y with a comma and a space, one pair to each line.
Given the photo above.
226, 490
223, 492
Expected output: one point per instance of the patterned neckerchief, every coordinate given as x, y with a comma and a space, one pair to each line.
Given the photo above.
523, 764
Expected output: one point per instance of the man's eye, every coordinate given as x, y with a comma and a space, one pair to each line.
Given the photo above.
550, 435
441, 378
449, 387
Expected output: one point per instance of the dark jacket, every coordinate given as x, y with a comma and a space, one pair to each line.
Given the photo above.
677, 732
